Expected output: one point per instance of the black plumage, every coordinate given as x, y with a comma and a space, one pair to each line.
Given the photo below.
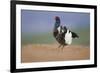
62, 34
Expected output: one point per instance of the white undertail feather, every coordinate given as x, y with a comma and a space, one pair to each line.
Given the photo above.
68, 37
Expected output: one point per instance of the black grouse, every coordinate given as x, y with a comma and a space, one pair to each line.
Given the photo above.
63, 35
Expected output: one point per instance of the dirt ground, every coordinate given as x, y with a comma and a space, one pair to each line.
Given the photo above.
51, 52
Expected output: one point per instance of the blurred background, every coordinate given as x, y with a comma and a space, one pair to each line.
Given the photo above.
37, 26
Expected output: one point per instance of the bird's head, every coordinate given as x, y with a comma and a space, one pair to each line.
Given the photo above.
57, 18
57, 21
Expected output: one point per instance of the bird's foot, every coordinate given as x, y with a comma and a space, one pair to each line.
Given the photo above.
61, 47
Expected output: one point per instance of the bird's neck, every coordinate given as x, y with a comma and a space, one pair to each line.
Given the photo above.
57, 23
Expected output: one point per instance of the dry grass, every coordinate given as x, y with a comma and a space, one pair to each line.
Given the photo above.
50, 52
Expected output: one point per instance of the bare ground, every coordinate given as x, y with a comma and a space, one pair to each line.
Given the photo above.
50, 52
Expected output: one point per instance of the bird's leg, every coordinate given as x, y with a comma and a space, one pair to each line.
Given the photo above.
59, 46
62, 47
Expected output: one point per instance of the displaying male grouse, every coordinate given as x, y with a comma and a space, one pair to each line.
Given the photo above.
63, 35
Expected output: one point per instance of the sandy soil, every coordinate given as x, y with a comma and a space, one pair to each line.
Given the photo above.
45, 52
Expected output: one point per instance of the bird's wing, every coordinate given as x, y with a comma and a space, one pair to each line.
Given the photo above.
74, 35
65, 29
